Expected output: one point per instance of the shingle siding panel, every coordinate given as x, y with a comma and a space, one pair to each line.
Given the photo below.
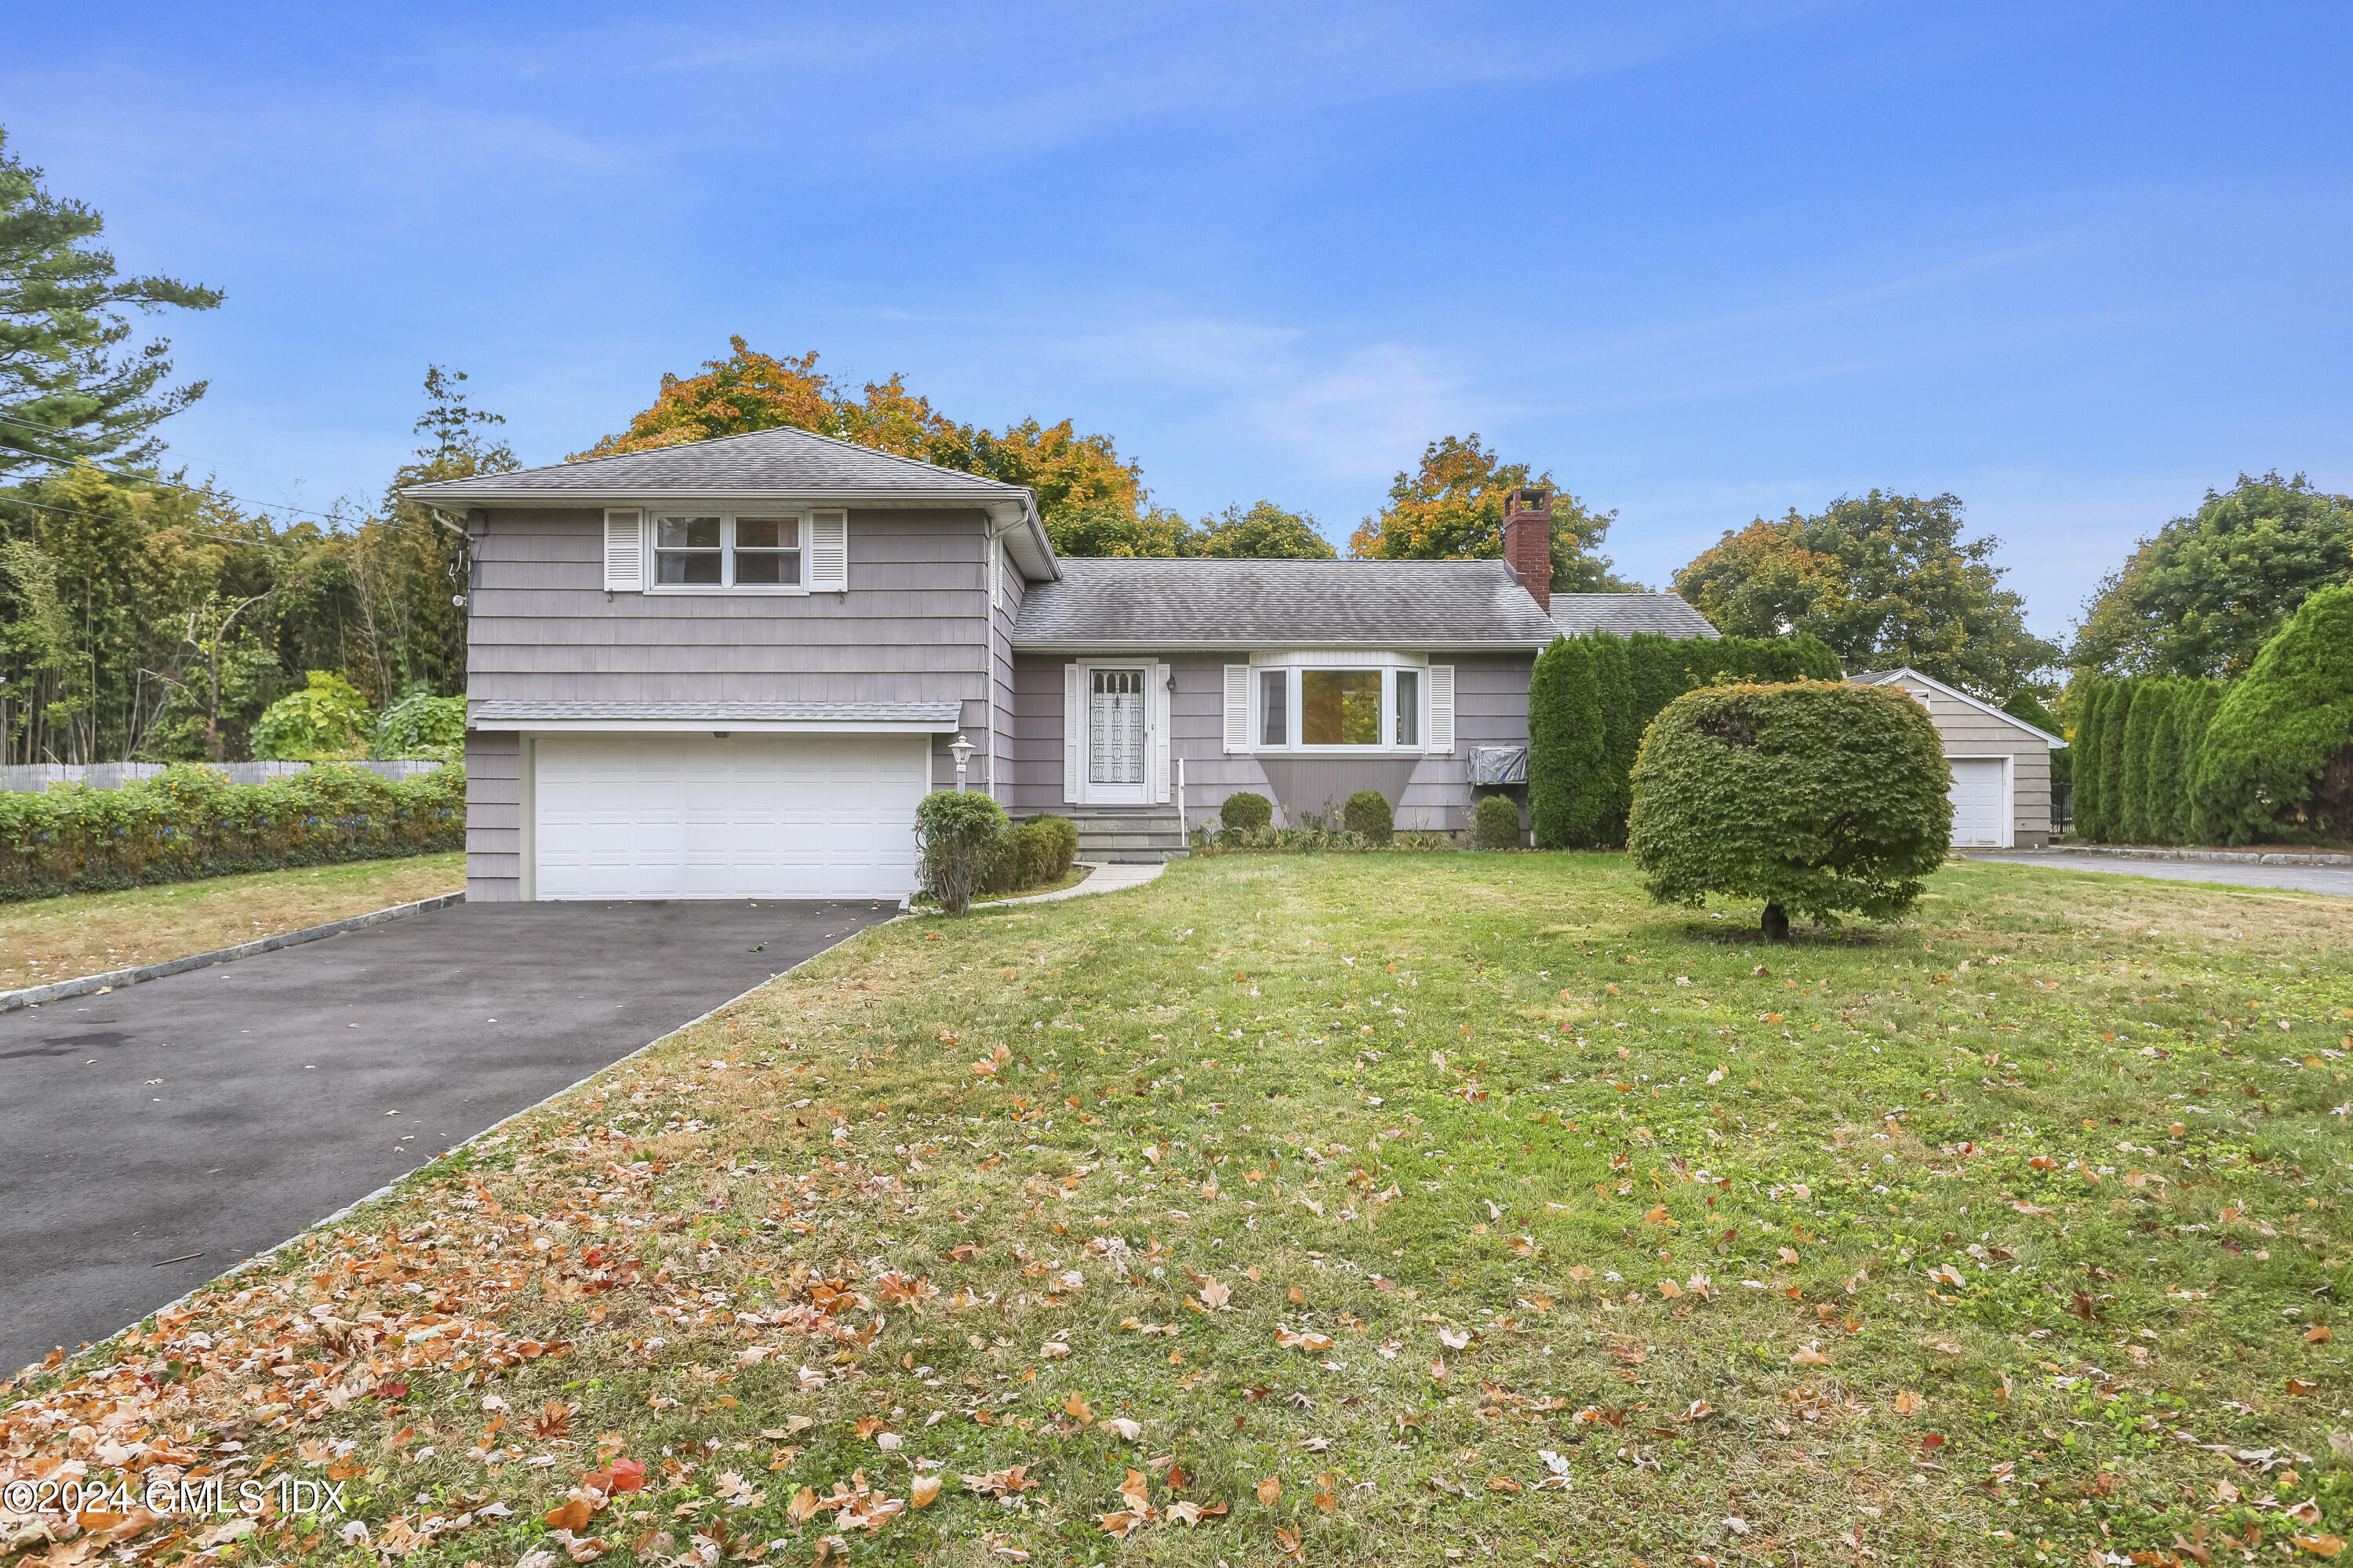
493, 817
910, 628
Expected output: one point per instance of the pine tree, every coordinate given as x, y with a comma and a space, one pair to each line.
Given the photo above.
65, 392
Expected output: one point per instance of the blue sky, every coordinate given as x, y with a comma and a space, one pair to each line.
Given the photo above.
2074, 262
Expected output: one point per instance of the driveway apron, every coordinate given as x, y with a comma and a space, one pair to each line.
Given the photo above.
152, 1137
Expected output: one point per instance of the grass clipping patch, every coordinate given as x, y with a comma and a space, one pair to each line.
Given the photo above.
1381, 1211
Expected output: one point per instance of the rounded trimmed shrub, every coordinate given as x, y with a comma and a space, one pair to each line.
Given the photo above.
1246, 812
2278, 758
958, 836
1367, 815
1496, 823
1813, 797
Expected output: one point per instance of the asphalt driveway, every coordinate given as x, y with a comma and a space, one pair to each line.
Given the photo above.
2333, 879
217, 1112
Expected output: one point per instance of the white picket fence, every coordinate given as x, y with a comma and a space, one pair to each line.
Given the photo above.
30, 778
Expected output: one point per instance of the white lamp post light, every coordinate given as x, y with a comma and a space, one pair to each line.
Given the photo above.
963, 750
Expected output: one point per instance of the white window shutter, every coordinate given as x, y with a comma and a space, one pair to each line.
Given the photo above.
1238, 685
828, 552
625, 552
1442, 707
1071, 720
1158, 709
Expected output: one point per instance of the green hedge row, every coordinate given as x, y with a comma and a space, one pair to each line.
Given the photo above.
1591, 697
2268, 757
191, 821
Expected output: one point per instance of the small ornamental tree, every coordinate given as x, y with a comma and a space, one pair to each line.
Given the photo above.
2278, 758
1814, 796
2091, 777
957, 836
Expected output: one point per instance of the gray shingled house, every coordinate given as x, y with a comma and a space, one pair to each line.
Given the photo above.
731, 668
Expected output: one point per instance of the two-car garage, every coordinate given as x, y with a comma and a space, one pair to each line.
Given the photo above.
704, 815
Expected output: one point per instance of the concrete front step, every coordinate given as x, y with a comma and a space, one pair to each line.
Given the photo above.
1129, 838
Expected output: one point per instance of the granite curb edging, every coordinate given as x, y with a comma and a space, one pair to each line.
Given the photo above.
2234, 858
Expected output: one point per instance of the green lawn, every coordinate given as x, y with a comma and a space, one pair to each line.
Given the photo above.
45, 939
1412, 1209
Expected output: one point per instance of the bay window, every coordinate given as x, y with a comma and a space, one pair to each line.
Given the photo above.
1335, 708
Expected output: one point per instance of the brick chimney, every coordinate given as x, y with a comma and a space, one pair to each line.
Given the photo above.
1527, 542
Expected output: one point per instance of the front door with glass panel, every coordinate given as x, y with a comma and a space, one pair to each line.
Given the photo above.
1115, 728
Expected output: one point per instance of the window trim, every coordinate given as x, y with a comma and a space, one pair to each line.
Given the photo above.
650, 552
1292, 667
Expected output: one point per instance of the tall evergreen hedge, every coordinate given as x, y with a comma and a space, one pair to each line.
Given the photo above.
1592, 697
2091, 715
2278, 758
1566, 749
2116, 812
1613, 694
2197, 709
2148, 702
2161, 783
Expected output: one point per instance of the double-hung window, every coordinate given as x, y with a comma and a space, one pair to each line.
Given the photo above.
1338, 709
725, 550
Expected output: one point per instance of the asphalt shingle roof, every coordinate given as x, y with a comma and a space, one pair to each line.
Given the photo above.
1625, 613
1252, 603
764, 462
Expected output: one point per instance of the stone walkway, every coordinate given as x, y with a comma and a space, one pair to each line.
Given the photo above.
1104, 878
2235, 873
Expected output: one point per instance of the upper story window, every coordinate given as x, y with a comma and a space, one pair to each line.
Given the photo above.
756, 552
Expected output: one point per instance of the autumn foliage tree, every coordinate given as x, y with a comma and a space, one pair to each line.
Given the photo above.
1884, 579
1450, 508
749, 391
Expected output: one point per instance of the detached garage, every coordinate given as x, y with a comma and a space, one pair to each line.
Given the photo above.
2001, 765
774, 810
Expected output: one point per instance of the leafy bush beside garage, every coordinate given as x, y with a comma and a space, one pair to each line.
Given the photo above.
191, 821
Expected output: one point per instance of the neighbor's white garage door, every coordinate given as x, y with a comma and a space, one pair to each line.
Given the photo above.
674, 816
1979, 812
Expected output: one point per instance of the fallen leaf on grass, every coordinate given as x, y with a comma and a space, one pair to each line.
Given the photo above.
1120, 1426
1808, 1356
923, 1491
1269, 1490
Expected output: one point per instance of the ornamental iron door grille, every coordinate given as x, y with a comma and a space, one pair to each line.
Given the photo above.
1115, 722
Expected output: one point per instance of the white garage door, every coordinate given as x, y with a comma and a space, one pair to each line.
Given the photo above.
675, 816
1979, 812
